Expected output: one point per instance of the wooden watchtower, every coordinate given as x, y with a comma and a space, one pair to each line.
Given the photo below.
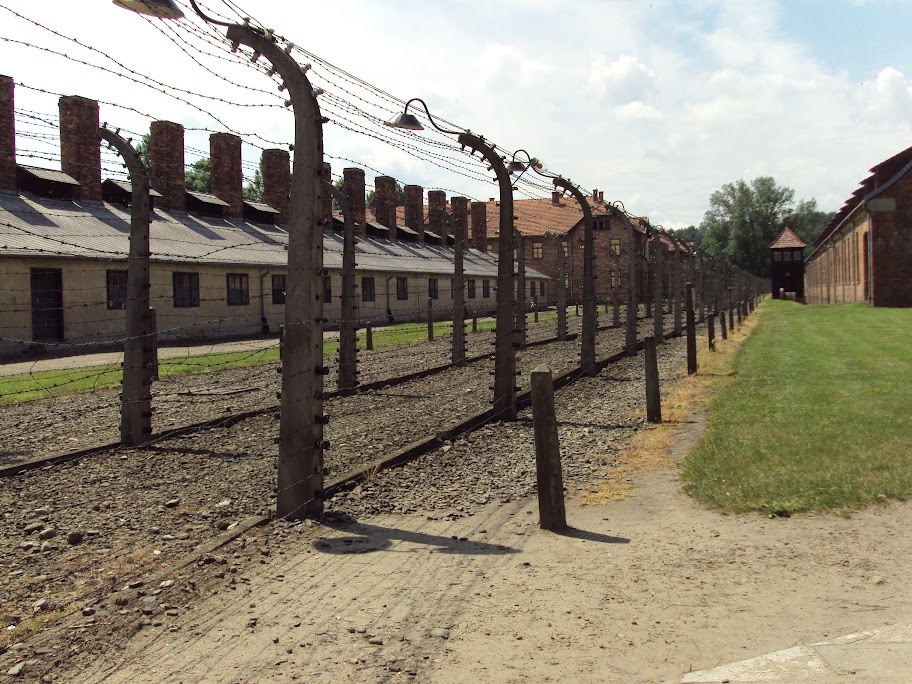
787, 258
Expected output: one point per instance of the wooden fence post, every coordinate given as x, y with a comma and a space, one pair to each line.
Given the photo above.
551, 512
430, 316
653, 397
369, 336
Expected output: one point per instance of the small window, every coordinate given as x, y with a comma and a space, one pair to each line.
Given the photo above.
797, 255
401, 288
486, 289
541, 289
278, 289
537, 250
368, 294
470, 288
515, 254
238, 289
777, 256
566, 280
433, 289
532, 290
117, 289
787, 256
564, 248
327, 289
186, 289
614, 244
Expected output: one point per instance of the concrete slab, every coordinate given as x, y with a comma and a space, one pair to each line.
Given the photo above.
878, 655
789, 665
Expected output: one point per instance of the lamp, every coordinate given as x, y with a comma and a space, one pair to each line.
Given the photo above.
410, 121
163, 9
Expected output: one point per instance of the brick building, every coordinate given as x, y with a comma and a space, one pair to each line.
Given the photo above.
218, 262
865, 252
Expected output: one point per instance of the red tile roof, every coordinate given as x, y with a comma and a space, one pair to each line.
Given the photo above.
788, 240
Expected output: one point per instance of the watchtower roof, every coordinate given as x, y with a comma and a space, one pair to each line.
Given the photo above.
788, 240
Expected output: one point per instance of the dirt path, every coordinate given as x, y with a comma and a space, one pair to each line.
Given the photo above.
643, 590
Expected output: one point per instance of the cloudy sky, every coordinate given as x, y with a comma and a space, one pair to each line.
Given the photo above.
656, 103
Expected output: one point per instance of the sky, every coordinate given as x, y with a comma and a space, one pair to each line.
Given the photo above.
657, 104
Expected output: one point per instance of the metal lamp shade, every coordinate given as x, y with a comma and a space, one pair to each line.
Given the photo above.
515, 167
405, 120
163, 9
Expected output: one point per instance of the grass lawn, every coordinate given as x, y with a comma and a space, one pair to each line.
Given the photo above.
818, 414
29, 386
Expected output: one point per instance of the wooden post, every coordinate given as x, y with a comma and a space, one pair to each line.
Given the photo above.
722, 326
369, 336
535, 307
731, 310
430, 319
691, 329
711, 331
653, 396
474, 323
551, 512
678, 289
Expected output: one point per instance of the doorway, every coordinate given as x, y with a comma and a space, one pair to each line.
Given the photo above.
47, 305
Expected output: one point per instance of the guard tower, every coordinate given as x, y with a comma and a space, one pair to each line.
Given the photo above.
787, 256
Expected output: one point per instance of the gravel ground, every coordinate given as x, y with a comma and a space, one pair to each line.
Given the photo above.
40, 428
71, 534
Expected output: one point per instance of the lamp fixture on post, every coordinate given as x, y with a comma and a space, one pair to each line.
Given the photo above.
504, 403
300, 468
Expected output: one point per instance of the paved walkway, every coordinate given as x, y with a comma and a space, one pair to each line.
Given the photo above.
879, 655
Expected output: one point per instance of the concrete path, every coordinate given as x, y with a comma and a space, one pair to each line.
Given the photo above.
879, 655
115, 357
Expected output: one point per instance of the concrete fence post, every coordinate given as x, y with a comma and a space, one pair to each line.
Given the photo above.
653, 396
691, 329
658, 323
369, 336
711, 331
430, 319
551, 510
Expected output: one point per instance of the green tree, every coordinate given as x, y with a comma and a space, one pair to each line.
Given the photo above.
143, 151
253, 191
691, 235
400, 196
744, 219
198, 177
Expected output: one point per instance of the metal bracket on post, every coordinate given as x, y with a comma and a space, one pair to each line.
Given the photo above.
135, 398
301, 443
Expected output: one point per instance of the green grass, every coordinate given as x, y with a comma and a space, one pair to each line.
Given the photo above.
818, 414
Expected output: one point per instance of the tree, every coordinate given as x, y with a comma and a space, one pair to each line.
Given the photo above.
744, 219
143, 151
198, 177
253, 191
400, 196
691, 235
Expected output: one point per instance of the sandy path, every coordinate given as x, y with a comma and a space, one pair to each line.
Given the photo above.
647, 589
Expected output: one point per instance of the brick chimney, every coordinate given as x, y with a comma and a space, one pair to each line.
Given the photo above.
385, 201
414, 209
166, 148
555, 198
275, 166
480, 226
80, 151
326, 195
437, 205
7, 135
460, 211
601, 196
595, 196
353, 187
227, 179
